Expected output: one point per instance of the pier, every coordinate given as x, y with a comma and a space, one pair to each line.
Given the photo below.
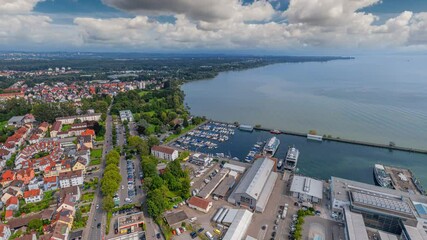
356, 142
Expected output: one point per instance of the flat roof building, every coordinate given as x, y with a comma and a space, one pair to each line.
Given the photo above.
256, 186
213, 184
307, 189
129, 223
174, 218
363, 205
126, 115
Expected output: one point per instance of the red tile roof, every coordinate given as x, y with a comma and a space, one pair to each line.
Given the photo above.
88, 132
3, 152
50, 179
9, 214
8, 175
12, 200
199, 202
32, 193
163, 149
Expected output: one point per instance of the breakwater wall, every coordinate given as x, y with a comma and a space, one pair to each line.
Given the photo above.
326, 138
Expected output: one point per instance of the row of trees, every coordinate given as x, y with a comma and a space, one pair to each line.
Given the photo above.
111, 179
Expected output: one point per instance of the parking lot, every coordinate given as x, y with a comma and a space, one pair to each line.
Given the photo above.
203, 220
323, 228
264, 224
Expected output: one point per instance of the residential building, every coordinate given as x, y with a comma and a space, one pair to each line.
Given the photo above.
84, 142
82, 118
25, 175
5, 232
71, 178
7, 177
199, 204
5, 154
12, 203
50, 183
165, 153
74, 191
16, 121
32, 196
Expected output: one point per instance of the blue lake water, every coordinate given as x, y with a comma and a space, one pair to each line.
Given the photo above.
374, 99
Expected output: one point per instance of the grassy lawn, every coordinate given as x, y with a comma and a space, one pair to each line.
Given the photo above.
39, 206
99, 138
85, 208
88, 197
80, 224
183, 131
93, 183
95, 156
96, 153
65, 127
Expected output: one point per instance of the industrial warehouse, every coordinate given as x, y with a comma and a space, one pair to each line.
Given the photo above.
256, 186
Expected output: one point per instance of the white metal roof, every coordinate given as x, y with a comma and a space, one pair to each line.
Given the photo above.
256, 177
229, 217
240, 225
234, 167
266, 192
306, 185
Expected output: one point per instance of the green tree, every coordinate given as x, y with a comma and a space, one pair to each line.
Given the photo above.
35, 224
107, 203
185, 122
78, 215
109, 186
153, 141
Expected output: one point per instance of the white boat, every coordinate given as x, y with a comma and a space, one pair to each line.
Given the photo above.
291, 159
382, 177
315, 137
271, 147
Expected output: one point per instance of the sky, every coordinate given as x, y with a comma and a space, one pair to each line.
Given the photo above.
223, 26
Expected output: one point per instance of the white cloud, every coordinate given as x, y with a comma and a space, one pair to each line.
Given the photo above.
17, 6
221, 24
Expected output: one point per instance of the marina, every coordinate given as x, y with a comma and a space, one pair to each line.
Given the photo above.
205, 136
318, 159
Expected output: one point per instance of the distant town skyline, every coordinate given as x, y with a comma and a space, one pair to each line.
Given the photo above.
241, 26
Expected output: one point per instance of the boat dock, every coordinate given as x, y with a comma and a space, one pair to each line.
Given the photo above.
403, 180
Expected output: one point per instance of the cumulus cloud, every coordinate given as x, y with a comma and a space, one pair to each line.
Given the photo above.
204, 10
221, 24
20, 26
17, 6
